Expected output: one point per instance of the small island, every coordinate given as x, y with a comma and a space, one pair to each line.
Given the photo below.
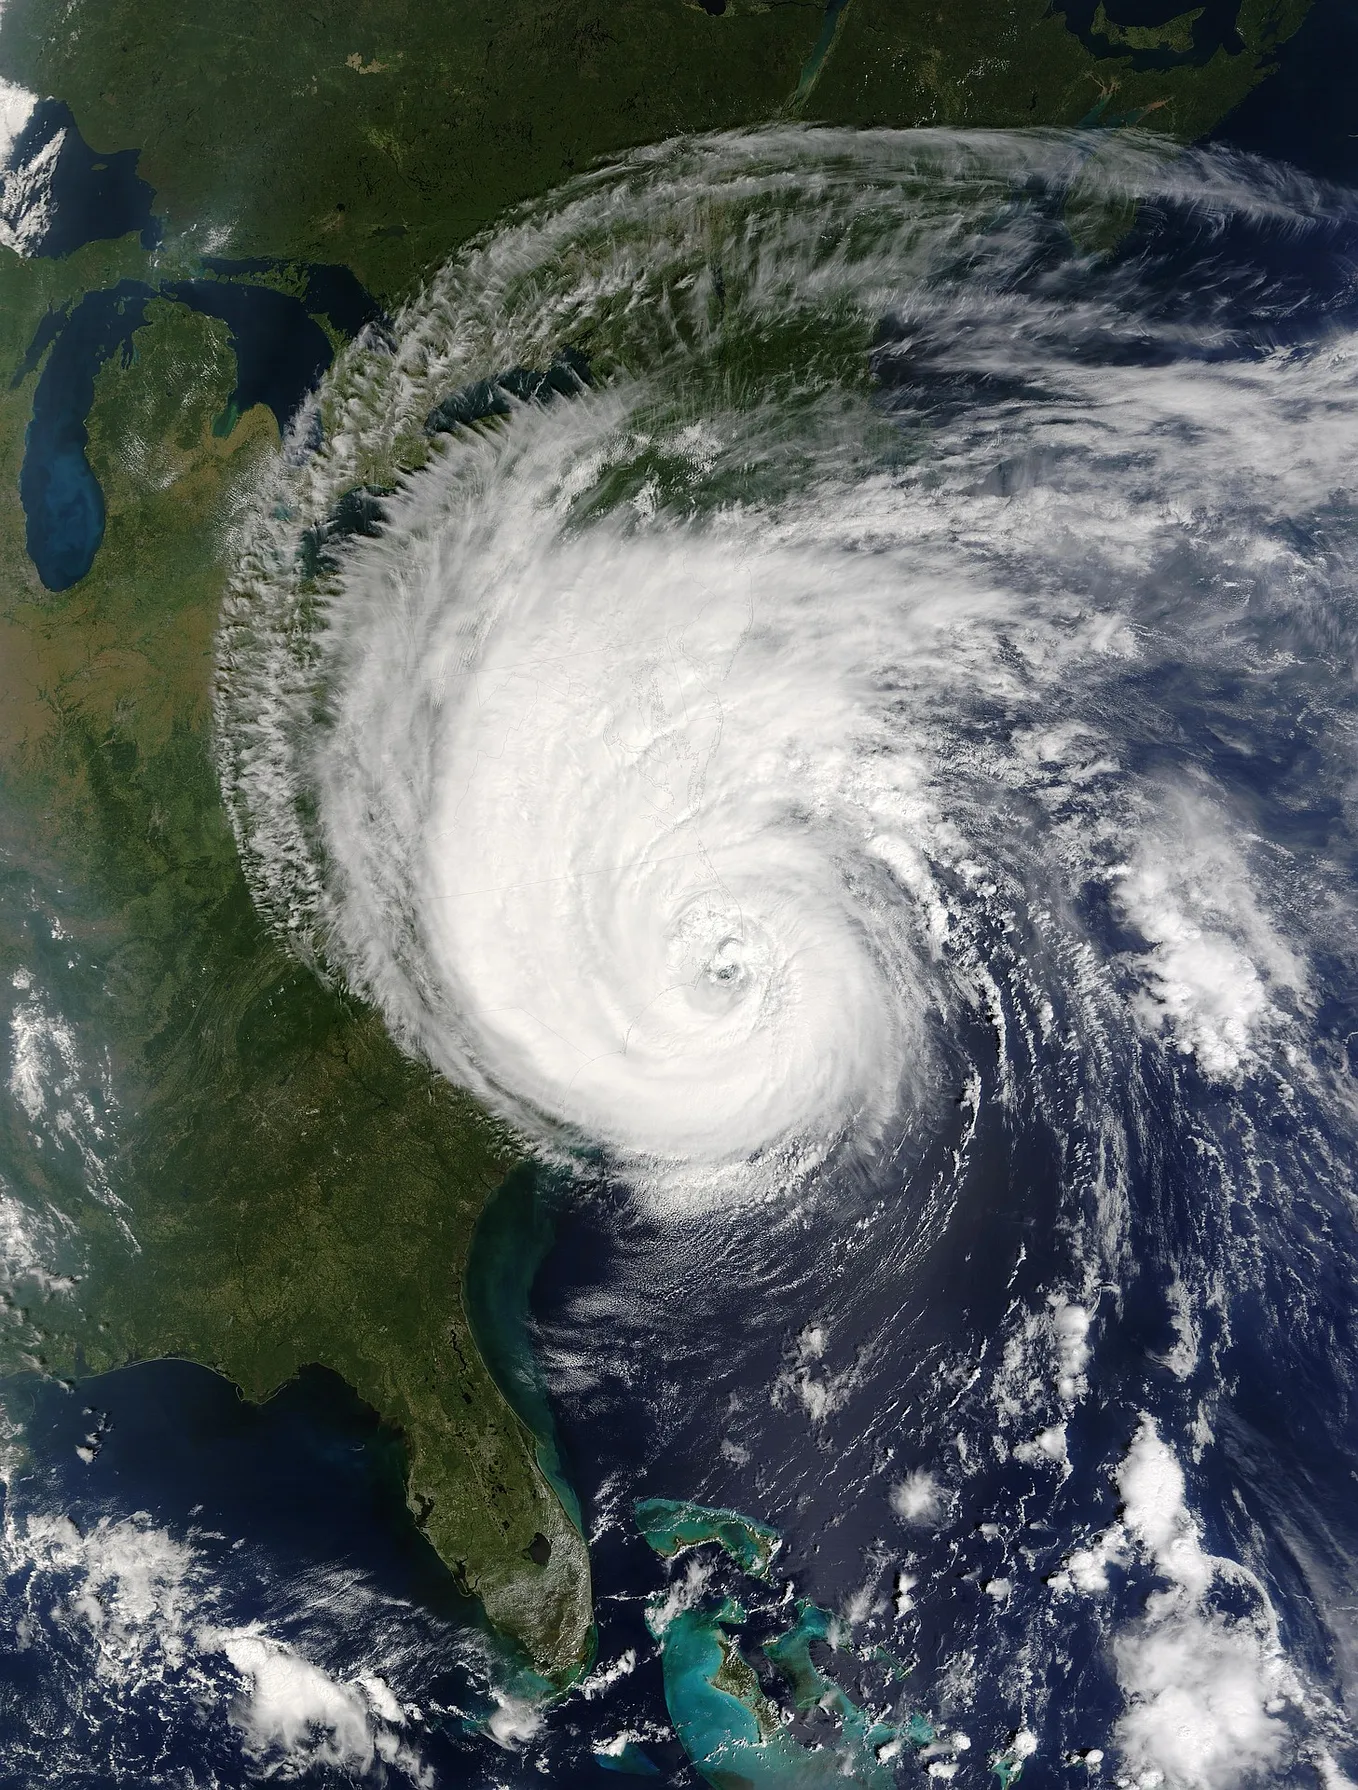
671, 1525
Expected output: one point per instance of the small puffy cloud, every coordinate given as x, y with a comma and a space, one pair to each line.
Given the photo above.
918, 1499
1086, 1570
821, 1392
1049, 1446
603, 1678
1070, 1331
129, 1585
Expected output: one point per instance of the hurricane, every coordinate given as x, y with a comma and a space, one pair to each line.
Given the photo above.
815, 670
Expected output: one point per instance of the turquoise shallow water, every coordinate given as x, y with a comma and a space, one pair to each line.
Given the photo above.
720, 1732
671, 1525
730, 1730
733, 1735
511, 1240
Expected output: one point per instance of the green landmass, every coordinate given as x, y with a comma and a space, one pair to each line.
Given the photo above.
511, 1240
284, 1186
672, 1525
1015, 63
381, 133
1176, 35
298, 1190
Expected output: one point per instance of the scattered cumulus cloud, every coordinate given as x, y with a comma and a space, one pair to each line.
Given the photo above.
514, 1722
1042, 1377
816, 1388
684, 1591
31, 1243
1215, 977
1047, 1447
1070, 1328
603, 1678
294, 1716
141, 1616
25, 185
1182, 1357
1208, 1695
67, 1100
44, 1057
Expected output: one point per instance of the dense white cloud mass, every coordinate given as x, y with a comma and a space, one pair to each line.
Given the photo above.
919, 1498
685, 853
1204, 1697
25, 186
1214, 957
295, 1716
656, 785
1205, 1692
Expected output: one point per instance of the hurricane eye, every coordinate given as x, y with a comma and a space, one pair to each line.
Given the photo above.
726, 965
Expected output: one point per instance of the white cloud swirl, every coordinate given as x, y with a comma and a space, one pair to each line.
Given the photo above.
638, 830
652, 763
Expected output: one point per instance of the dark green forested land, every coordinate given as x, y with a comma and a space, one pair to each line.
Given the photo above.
383, 132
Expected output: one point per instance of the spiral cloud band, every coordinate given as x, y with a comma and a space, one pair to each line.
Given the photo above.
737, 596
